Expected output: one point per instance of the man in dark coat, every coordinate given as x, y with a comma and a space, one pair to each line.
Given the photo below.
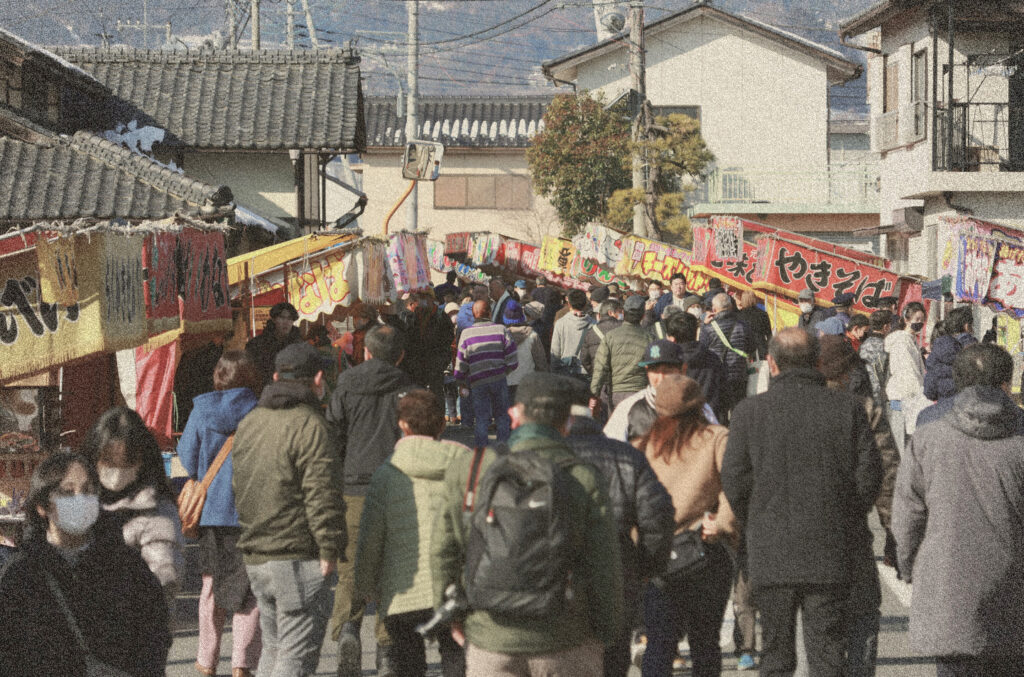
731, 343
640, 504
701, 364
810, 314
364, 409
428, 339
801, 471
957, 521
280, 331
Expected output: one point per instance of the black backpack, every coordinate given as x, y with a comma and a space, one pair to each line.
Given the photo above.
521, 539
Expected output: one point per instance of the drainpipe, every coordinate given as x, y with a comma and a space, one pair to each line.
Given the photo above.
949, 126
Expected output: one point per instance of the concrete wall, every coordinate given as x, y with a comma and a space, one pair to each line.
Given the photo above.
383, 183
764, 106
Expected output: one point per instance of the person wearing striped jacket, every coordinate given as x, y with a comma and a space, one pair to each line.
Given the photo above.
486, 355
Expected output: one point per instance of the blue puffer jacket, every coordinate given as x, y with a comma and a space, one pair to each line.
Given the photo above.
214, 416
938, 376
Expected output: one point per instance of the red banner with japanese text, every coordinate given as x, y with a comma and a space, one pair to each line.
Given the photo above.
161, 288
737, 268
203, 281
788, 268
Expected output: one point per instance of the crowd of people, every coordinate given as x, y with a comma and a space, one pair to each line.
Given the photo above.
640, 475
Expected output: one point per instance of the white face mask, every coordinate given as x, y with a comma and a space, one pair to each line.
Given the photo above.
76, 514
806, 307
695, 311
654, 294
116, 479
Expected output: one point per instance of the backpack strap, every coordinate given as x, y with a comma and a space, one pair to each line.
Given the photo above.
597, 330
721, 335
659, 330
469, 498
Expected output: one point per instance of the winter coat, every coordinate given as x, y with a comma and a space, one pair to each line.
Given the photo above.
938, 374
116, 601
801, 471
288, 479
592, 341
364, 412
428, 344
760, 326
465, 317
393, 555
265, 347
809, 320
637, 499
739, 338
876, 360
906, 368
618, 360
707, 369
595, 611
663, 302
150, 524
958, 516
214, 417
567, 340
530, 355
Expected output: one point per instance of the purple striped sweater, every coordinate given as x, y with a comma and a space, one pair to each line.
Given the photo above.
486, 353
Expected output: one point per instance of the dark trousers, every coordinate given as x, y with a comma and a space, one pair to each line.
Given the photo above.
824, 621
409, 653
978, 666
616, 654
694, 608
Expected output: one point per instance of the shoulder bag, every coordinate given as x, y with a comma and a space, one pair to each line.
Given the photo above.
193, 495
757, 372
94, 667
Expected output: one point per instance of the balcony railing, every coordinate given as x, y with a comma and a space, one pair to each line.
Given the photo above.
901, 127
979, 137
853, 186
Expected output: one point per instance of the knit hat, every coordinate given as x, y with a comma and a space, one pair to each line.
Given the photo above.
534, 309
836, 356
692, 300
634, 303
805, 295
513, 315
678, 394
599, 294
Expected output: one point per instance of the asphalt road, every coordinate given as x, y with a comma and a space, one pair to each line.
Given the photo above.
895, 658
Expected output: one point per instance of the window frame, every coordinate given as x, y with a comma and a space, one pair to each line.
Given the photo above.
510, 189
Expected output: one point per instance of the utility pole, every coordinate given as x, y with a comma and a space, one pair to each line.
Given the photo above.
290, 25
413, 100
255, 19
229, 12
638, 81
310, 28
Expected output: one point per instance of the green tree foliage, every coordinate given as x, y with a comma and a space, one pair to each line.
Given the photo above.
577, 161
582, 162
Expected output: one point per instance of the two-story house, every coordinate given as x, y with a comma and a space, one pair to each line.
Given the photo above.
946, 90
761, 95
484, 184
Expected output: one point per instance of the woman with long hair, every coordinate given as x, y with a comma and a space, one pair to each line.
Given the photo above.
73, 588
135, 495
215, 417
686, 453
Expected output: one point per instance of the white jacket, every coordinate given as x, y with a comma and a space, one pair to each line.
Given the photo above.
906, 367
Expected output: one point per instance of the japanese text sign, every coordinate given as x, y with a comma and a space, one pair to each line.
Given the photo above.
203, 280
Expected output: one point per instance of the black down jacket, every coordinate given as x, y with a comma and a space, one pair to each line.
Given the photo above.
638, 500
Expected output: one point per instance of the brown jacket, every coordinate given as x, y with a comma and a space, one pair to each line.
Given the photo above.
692, 478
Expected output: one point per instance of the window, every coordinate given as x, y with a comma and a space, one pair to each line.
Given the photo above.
482, 191
919, 76
891, 86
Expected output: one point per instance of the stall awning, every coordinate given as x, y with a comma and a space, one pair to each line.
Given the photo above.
245, 266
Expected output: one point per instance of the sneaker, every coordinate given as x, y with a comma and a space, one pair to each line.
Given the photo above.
350, 653
636, 651
678, 663
746, 662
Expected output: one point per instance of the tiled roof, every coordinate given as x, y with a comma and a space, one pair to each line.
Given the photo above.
266, 100
86, 176
459, 121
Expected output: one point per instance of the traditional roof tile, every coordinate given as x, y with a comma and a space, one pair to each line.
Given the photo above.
266, 100
459, 121
86, 176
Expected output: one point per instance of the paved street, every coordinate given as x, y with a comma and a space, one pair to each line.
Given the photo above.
895, 658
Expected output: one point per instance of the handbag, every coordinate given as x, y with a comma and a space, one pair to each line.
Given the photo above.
94, 667
193, 495
688, 558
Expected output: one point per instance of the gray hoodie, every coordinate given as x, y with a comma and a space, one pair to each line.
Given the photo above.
567, 339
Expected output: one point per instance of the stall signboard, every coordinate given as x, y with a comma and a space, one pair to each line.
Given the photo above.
486, 250
556, 256
377, 284
737, 270
161, 288
975, 256
651, 260
788, 268
317, 286
456, 245
410, 265
110, 314
1006, 288
203, 281
58, 271
522, 259
601, 244
438, 260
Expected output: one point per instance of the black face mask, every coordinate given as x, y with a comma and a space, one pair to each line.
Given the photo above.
916, 326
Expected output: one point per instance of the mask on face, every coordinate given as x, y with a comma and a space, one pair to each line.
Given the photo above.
116, 479
916, 326
806, 307
76, 514
695, 311
654, 294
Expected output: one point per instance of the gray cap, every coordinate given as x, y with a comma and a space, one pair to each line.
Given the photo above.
806, 295
635, 302
298, 360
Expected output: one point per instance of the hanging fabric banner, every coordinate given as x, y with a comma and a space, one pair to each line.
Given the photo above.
600, 244
378, 285
438, 260
318, 285
1006, 288
486, 250
58, 272
556, 256
410, 265
975, 256
203, 281
651, 260
161, 288
456, 245
154, 387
